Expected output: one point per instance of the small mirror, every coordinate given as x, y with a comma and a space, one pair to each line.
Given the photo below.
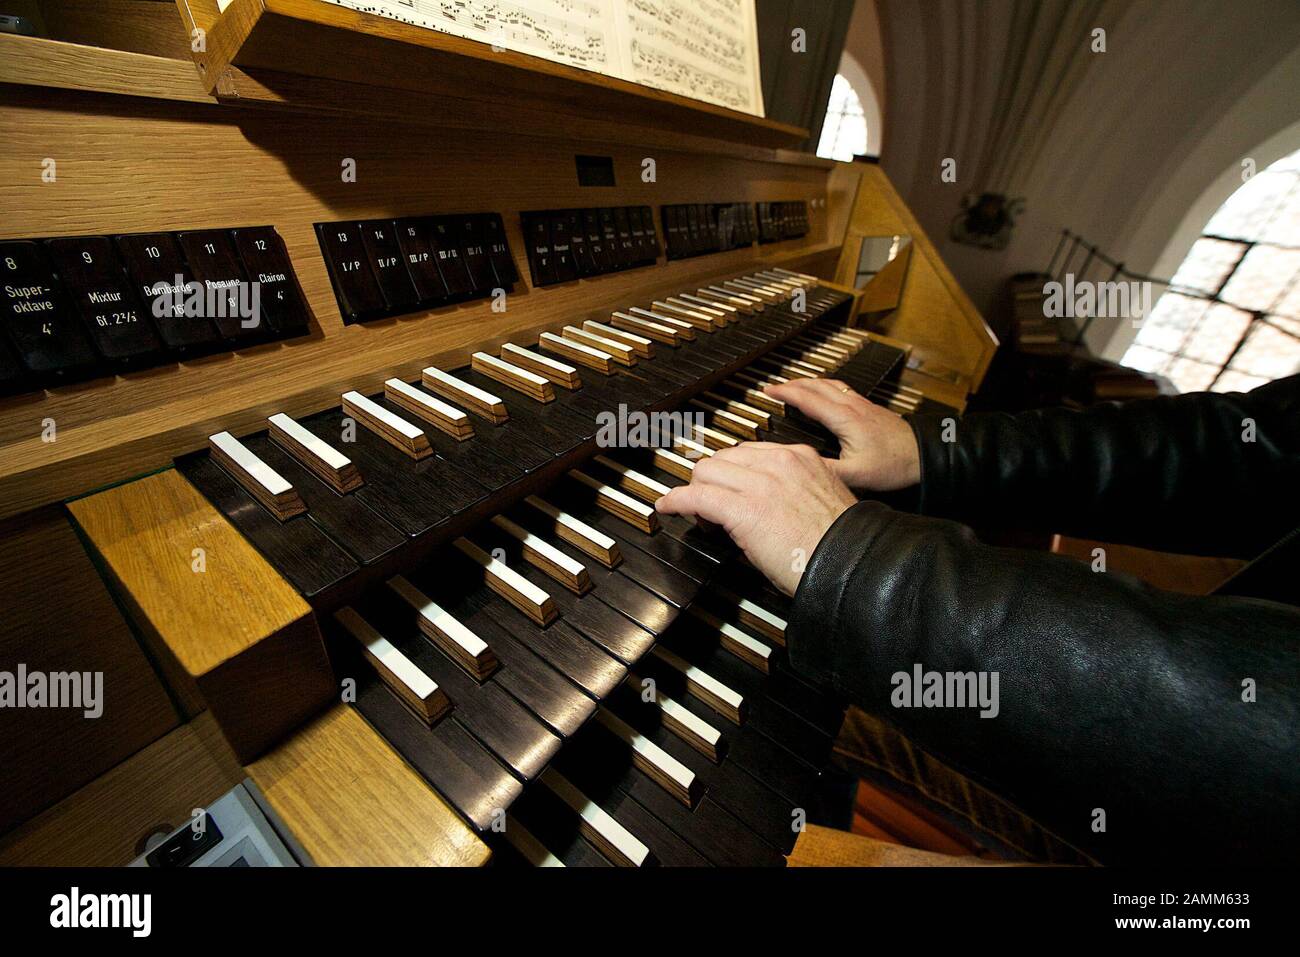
882, 267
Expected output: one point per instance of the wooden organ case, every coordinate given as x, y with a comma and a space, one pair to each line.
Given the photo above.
371, 554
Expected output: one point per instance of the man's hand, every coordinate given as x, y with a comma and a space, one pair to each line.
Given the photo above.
775, 501
878, 451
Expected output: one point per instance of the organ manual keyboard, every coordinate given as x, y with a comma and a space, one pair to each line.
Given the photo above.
392, 554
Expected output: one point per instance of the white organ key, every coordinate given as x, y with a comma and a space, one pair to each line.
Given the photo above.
510, 585
478, 400
681, 721
392, 428
542, 554
613, 840
431, 409
744, 646
320, 458
620, 504
621, 352
638, 483
256, 477
722, 699
529, 847
521, 380
558, 372
578, 533
420, 692
461, 645
676, 778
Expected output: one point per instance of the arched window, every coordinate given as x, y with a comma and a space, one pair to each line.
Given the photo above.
1230, 319
844, 133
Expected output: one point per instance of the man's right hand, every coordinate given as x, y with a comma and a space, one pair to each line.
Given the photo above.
878, 451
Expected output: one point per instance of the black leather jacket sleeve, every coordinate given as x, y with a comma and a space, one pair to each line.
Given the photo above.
1197, 474
1112, 696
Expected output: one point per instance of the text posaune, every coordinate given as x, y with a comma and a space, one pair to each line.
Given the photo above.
75, 909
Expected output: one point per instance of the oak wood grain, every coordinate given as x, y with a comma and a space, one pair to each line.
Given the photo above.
351, 800
234, 631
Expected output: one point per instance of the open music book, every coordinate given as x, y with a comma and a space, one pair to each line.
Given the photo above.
703, 49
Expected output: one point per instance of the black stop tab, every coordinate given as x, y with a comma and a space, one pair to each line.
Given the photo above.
227, 296
380, 240
355, 286
167, 289
36, 315
101, 294
266, 262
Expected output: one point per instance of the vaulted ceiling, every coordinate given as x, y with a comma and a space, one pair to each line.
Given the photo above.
1117, 145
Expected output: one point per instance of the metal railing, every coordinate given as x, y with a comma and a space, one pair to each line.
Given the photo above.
1073, 248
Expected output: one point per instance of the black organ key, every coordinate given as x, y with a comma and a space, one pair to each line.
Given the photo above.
446, 248
165, 286
473, 246
355, 285
227, 296
98, 288
562, 247
601, 766
568, 651
524, 673
464, 587
395, 487
555, 827
472, 457
266, 262
447, 756
36, 314
413, 239
503, 264
379, 237
513, 734
345, 518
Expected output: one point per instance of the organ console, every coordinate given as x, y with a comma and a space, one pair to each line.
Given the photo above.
384, 546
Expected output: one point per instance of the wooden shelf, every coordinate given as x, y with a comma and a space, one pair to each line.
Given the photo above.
35, 61
254, 43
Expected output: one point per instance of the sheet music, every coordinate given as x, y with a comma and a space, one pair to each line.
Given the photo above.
703, 49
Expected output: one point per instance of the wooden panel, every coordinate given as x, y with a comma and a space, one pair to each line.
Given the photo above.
350, 800
946, 330
58, 616
1186, 574
35, 61
105, 823
827, 847
139, 26
243, 167
236, 631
